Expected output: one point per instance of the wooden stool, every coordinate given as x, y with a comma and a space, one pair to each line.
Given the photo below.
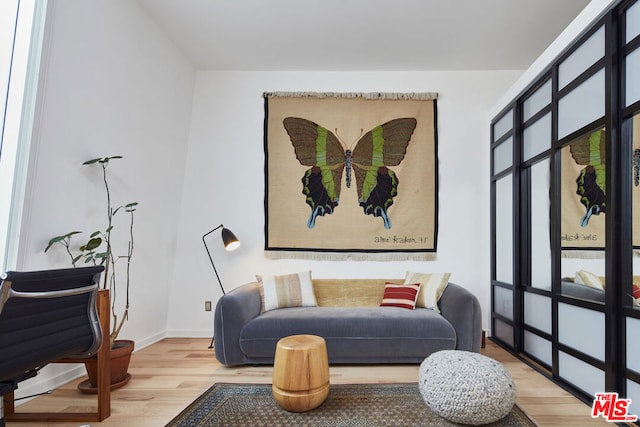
300, 372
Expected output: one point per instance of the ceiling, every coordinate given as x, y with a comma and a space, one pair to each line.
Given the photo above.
372, 35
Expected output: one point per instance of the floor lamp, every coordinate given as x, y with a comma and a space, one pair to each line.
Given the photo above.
231, 243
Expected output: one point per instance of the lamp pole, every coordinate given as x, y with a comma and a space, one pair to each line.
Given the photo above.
211, 259
231, 243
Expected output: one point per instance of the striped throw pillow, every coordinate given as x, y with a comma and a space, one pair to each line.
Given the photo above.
403, 296
288, 290
431, 289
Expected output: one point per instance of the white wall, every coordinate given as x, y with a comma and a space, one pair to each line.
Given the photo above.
594, 11
224, 183
112, 84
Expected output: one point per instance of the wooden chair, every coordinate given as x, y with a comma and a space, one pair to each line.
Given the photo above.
53, 316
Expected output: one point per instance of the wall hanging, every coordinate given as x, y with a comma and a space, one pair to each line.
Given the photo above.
351, 175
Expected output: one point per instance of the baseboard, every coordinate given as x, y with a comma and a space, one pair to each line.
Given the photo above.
56, 375
189, 333
146, 342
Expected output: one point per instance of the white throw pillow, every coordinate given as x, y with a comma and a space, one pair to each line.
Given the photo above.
432, 285
287, 290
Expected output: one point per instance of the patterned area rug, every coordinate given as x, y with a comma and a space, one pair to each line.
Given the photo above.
347, 405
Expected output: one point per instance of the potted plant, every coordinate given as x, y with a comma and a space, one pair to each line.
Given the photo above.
100, 249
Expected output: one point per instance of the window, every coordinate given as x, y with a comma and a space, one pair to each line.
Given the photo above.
21, 28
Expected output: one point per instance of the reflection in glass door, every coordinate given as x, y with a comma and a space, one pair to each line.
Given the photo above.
631, 298
633, 125
583, 210
631, 133
566, 255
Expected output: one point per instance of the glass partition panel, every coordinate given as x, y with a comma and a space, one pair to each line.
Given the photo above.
503, 331
504, 229
537, 137
503, 302
503, 125
633, 125
538, 347
581, 329
633, 22
586, 377
541, 225
633, 393
632, 89
582, 105
633, 344
503, 156
583, 207
537, 311
582, 58
537, 101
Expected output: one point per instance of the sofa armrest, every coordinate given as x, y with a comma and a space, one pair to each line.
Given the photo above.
462, 309
233, 311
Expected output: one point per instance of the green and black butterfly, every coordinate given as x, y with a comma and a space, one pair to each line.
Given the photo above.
384, 145
591, 183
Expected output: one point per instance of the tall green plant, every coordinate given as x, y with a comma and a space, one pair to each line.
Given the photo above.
98, 250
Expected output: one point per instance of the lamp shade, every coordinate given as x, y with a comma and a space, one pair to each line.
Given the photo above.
230, 240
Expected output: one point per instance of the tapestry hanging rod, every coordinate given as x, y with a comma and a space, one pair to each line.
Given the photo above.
421, 96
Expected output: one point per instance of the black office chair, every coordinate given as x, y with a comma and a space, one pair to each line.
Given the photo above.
46, 316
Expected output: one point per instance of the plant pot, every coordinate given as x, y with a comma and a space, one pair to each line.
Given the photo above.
120, 356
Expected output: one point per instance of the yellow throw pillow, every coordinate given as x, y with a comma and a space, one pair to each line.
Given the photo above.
287, 290
432, 285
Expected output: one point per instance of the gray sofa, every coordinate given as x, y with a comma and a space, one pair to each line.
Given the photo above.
576, 290
349, 318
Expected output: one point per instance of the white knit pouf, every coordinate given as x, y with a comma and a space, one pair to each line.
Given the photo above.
466, 387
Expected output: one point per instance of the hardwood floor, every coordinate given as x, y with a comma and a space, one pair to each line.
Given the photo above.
170, 374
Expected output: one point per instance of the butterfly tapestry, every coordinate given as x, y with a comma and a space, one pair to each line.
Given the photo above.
381, 147
350, 175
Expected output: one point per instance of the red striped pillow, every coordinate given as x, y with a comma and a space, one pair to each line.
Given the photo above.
403, 296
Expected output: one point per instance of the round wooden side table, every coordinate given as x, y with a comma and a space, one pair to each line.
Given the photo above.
300, 372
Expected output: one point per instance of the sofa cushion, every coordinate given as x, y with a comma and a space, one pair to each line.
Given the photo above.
381, 333
403, 296
287, 290
350, 292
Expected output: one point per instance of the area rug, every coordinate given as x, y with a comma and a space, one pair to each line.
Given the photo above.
347, 405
